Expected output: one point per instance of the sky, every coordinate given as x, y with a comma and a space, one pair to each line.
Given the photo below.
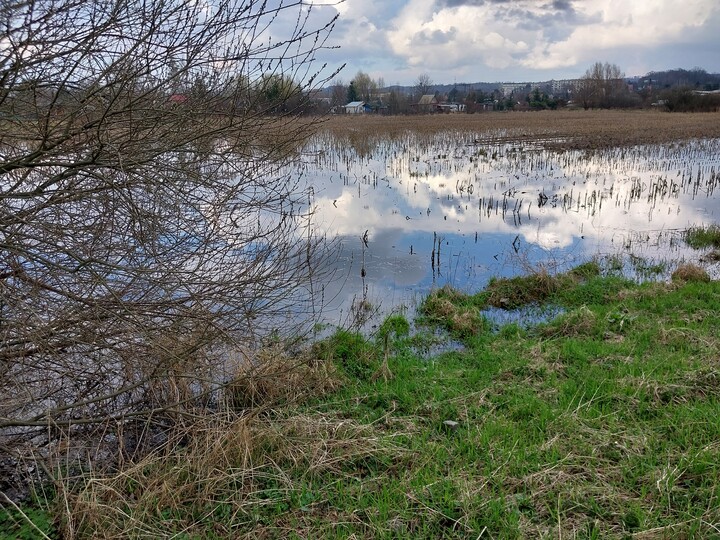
456, 41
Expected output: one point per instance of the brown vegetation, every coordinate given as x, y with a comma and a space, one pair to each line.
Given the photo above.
567, 129
690, 272
275, 377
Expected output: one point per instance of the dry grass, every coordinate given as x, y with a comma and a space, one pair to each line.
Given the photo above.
555, 129
217, 475
217, 471
274, 377
690, 272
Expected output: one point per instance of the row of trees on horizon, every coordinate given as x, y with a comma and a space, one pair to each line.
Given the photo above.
603, 85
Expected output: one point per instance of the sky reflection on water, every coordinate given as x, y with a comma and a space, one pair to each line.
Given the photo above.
449, 209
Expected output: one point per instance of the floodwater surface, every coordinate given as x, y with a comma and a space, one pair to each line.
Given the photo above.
424, 211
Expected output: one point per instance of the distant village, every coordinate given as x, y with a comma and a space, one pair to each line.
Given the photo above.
603, 86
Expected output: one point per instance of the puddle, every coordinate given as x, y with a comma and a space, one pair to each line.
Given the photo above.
525, 317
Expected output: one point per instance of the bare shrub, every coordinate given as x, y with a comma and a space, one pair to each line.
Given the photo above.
144, 224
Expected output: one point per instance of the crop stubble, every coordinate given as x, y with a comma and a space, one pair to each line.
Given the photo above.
559, 130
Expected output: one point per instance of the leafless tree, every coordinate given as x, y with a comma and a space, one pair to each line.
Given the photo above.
601, 86
585, 92
338, 94
423, 85
144, 217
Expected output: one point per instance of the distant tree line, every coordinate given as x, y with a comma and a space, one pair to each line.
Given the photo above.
696, 78
684, 99
602, 86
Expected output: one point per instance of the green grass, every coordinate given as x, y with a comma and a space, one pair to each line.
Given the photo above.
703, 237
603, 423
25, 524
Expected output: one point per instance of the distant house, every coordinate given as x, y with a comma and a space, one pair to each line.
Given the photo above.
427, 103
355, 107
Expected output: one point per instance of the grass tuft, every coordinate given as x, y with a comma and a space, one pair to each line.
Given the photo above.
703, 237
690, 272
457, 312
578, 322
274, 377
510, 293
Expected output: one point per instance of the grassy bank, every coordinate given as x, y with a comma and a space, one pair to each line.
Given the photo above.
602, 423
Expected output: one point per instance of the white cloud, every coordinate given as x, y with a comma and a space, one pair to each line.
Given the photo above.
624, 25
476, 36
523, 39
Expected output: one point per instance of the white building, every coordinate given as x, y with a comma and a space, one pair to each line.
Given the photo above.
355, 107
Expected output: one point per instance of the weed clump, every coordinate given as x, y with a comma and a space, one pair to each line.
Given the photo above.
703, 237
690, 272
354, 355
511, 293
457, 312
586, 270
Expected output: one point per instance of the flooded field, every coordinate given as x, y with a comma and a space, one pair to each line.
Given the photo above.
421, 210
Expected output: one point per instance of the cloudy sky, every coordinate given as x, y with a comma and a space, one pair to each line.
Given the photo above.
520, 40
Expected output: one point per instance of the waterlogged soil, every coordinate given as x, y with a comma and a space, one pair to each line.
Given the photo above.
422, 202
558, 130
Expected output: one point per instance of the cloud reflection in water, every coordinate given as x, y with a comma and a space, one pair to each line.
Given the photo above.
499, 209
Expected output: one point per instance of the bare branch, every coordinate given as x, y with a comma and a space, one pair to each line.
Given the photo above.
145, 224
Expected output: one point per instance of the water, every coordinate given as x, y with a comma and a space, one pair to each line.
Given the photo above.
424, 211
